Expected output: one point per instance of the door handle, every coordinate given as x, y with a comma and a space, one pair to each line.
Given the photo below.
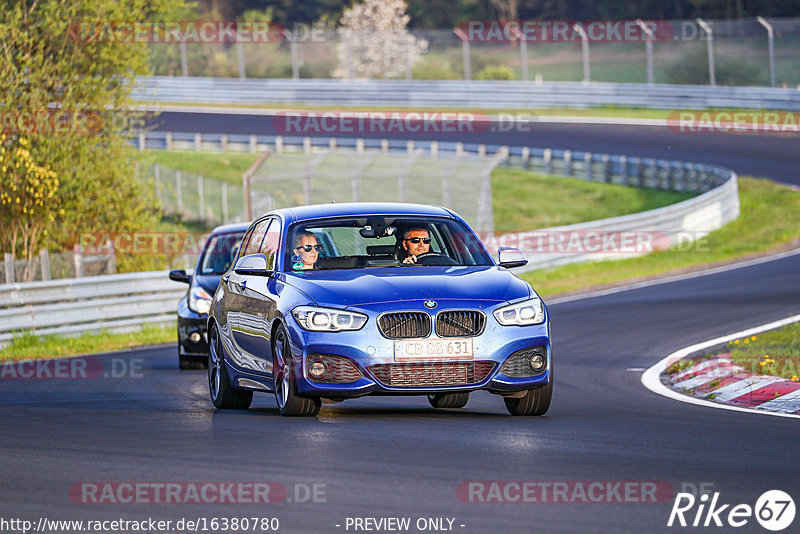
243, 284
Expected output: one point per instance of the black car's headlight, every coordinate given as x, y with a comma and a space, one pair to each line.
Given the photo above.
199, 300
527, 312
327, 319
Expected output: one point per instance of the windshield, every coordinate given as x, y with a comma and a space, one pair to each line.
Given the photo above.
384, 241
219, 253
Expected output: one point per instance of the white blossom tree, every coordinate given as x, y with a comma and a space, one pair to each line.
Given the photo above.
374, 41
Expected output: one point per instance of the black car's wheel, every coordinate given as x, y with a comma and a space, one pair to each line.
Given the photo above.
449, 400
535, 402
289, 402
223, 395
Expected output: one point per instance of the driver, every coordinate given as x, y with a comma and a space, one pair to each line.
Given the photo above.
416, 242
306, 251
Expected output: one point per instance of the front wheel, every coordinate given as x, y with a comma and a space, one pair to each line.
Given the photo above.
222, 394
449, 400
289, 402
535, 401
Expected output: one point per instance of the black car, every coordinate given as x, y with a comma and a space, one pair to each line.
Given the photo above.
219, 250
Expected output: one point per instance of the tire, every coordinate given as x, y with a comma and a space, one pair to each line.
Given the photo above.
289, 402
190, 363
535, 402
449, 400
223, 395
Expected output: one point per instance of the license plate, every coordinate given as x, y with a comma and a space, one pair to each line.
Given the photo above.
421, 350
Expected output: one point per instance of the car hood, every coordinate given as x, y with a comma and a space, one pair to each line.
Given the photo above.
355, 287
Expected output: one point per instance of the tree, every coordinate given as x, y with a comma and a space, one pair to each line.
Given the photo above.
49, 72
374, 41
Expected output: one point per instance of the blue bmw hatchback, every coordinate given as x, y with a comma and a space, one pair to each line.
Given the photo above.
329, 302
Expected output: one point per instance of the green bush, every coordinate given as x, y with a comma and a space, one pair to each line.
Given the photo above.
495, 72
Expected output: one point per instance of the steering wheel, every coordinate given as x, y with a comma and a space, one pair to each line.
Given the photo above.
434, 258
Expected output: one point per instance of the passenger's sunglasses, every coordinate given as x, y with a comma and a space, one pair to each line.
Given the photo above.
416, 240
308, 248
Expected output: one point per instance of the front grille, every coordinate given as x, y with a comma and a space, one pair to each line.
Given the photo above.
431, 374
463, 323
338, 370
518, 364
403, 325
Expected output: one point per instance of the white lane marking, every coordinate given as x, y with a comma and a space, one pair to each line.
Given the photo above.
677, 278
743, 387
788, 403
651, 377
635, 369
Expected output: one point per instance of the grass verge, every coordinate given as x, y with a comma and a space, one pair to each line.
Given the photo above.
30, 346
776, 352
769, 219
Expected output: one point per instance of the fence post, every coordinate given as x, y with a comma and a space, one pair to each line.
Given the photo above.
240, 59
587, 69
8, 259
184, 62
44, 257
712, 76
224, 195
179, 191
111, 261
77, 259
157, 180
201, 198
465, 51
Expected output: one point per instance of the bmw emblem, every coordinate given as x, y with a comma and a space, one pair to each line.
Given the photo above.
430, 304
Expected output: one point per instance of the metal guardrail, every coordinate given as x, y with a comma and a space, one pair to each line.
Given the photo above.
453, 94
128, 300
114, 302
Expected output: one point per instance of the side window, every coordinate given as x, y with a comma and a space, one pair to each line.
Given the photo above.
243, 244
270, 245
254, 245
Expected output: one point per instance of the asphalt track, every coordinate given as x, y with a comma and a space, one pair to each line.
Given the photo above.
769, 156
397, 457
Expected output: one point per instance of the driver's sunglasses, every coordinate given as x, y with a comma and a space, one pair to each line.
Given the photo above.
416, 240
308, 248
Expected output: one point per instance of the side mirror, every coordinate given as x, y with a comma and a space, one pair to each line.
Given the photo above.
252, 264
179, 275
509, 257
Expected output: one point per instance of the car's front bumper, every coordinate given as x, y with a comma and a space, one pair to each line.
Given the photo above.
190, 322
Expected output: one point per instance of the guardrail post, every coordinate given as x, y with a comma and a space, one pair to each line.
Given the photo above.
223, 141
623, 169
434, 150
459, 149
332, 144
168, 141
526, 158
410, 147
44, 258
606, 168
359, 146
142, 142
481, 151
279, 145
77, 259
8, 260
653, 173
224, 195
587, 161
253, 144
307, 145
198, 142
384, 146
568, 163
548, 161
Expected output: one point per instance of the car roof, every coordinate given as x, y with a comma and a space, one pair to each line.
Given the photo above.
359, 209
232, 227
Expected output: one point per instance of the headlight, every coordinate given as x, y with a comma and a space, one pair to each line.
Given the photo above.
199, 300
328, 320
524, 313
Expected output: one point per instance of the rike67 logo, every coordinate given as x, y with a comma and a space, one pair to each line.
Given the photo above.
774, 510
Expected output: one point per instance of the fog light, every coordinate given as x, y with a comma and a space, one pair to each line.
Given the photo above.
317, 369
194, 337
537, 362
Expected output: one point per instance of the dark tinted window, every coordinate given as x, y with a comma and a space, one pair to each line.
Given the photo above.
219, 253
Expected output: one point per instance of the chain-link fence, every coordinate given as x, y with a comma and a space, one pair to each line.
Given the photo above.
744, 53
53, 266
459, 182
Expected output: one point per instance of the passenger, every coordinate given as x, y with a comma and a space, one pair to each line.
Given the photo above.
416, 241
306, 251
